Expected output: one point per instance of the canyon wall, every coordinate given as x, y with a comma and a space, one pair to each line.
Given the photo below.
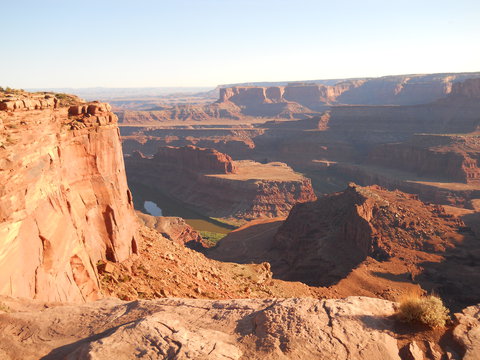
447, 157
181, 113
387, 90
469, 89
64, 200
376, 94
251, 190
196, 159
235, 141
299, 100
306, 94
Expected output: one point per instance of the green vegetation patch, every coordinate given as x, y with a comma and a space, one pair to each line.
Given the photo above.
211, 238
4, 307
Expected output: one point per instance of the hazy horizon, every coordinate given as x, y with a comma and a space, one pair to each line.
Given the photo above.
186, 43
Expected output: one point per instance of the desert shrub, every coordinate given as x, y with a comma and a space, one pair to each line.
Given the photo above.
4, 307
62, 96
428, 310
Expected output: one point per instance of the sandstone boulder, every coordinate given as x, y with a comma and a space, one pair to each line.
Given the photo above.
467, 331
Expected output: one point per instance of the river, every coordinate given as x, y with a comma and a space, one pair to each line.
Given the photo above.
156, 203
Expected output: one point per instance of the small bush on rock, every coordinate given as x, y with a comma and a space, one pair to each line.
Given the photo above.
428, 310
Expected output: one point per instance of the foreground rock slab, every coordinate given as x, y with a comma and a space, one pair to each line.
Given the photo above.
467, 332
352, 328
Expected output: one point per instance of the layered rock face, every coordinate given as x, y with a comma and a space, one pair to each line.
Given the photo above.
196, 159
64, 200
306, 94
383, 124
182, 113
322, 241
298, 100
387, 90
222, 188
449, 157
468, 89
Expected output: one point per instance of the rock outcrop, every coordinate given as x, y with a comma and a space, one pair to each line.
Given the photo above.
353, 328
252, 190
64, 200
205, 161
175, 229
467, 331
322, 241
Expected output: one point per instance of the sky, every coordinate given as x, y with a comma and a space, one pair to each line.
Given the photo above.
65, 43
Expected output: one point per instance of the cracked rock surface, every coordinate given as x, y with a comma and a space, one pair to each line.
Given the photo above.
353, 328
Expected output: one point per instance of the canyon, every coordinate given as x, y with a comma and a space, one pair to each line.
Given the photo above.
428, 148
213, 184
312, 265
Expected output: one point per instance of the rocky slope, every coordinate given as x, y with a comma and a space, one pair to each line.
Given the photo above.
224, 188
64, 200
165, 267
368, 241
174, 229
358, 223
352, 328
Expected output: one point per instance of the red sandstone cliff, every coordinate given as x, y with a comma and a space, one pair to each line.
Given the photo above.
64, 200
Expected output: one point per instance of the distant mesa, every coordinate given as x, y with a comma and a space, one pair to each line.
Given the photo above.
300, 100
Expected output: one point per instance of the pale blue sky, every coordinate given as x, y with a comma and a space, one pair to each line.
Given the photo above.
143, 43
